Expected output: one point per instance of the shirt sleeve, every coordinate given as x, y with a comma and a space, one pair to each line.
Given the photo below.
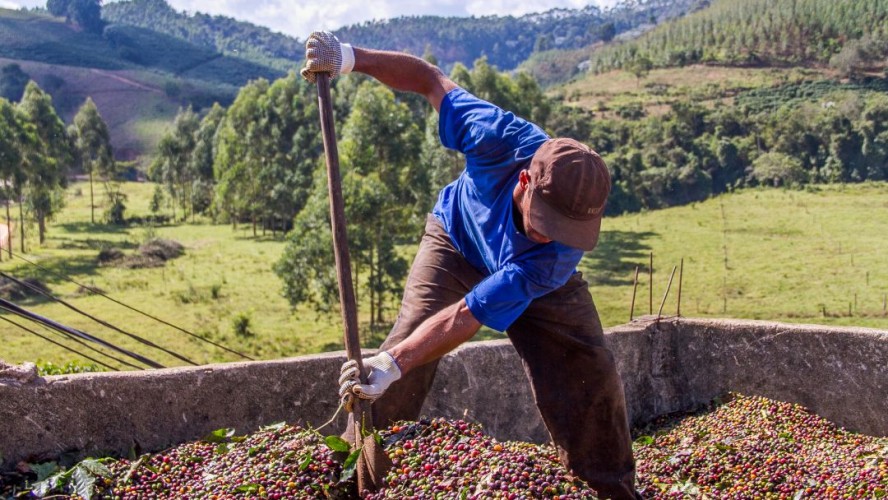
499, 299
486, 134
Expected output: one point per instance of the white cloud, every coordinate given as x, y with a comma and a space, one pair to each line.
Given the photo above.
301, 17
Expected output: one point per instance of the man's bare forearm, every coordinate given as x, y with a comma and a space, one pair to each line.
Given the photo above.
436, 336
404, 72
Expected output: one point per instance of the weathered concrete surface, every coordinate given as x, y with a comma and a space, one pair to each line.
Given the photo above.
839, 373
671, 365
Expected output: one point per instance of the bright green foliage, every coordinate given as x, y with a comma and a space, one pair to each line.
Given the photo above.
778, 169
519, 94
47, 160
385, 189
755, 32
306, 267
45, 368
266, 150
202, 159
172, 165
92, 145
692, 152
10, 135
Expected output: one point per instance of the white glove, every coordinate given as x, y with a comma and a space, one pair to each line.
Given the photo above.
383, 371
324, 54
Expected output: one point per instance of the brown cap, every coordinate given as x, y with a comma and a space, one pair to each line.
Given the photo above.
569, 184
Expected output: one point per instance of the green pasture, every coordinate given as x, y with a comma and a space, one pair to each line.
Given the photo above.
657, 90
814, 256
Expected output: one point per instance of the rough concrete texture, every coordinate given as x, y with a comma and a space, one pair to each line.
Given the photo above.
670, 365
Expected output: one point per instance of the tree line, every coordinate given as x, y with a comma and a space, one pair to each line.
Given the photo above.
37, 152
693, 152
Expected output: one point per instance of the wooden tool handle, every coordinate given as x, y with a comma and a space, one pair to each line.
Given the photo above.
340, 238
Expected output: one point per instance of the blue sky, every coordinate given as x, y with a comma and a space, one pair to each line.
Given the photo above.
299, 18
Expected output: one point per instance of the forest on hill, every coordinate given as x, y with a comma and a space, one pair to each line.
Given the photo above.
505, 40
759, 32
218, 33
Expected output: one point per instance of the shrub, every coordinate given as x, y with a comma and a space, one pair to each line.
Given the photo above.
45, 368
240, 324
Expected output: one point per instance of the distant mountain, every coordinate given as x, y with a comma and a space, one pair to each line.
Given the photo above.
218, 33
763, 32
505, 40
138, 78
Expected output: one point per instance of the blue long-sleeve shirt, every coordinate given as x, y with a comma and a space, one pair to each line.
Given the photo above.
476, 210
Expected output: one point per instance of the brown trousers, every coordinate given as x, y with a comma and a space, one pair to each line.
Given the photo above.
560, 340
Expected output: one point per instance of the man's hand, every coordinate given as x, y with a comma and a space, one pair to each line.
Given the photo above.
324, 54
383, 371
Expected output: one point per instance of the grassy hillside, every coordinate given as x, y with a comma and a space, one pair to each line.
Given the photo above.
813, 256
608, 93
794, 256
137, 77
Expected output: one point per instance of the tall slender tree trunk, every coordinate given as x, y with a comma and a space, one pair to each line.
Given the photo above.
191, 199
92, 203
8, 228
372, 291
253, 221
41, 227
22, 222
380, 295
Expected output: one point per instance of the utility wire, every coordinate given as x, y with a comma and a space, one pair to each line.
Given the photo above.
86, 345
63, 346
131, 308
13, 308
100, 321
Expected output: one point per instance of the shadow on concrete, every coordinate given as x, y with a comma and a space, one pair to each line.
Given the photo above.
613, 261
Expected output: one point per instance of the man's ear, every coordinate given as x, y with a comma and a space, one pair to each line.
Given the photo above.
523, 179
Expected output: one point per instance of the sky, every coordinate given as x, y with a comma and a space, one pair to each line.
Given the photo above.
300, 18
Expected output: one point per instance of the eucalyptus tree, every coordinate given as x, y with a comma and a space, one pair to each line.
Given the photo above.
266, 150
92, 145
238, 155
46, 158
202, 158
172, 164
385, 186
13, 140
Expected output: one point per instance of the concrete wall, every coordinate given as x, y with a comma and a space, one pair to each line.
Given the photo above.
670, 365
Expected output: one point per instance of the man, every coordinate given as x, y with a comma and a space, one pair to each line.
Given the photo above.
501, 249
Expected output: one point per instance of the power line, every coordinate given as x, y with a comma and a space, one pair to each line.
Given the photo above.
13, 308
100, 321
86, 345
63, 346
143, 313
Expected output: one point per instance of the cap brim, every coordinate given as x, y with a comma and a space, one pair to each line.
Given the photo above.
580, 234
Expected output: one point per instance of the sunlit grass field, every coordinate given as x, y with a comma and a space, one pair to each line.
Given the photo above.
657, 90
813, 256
